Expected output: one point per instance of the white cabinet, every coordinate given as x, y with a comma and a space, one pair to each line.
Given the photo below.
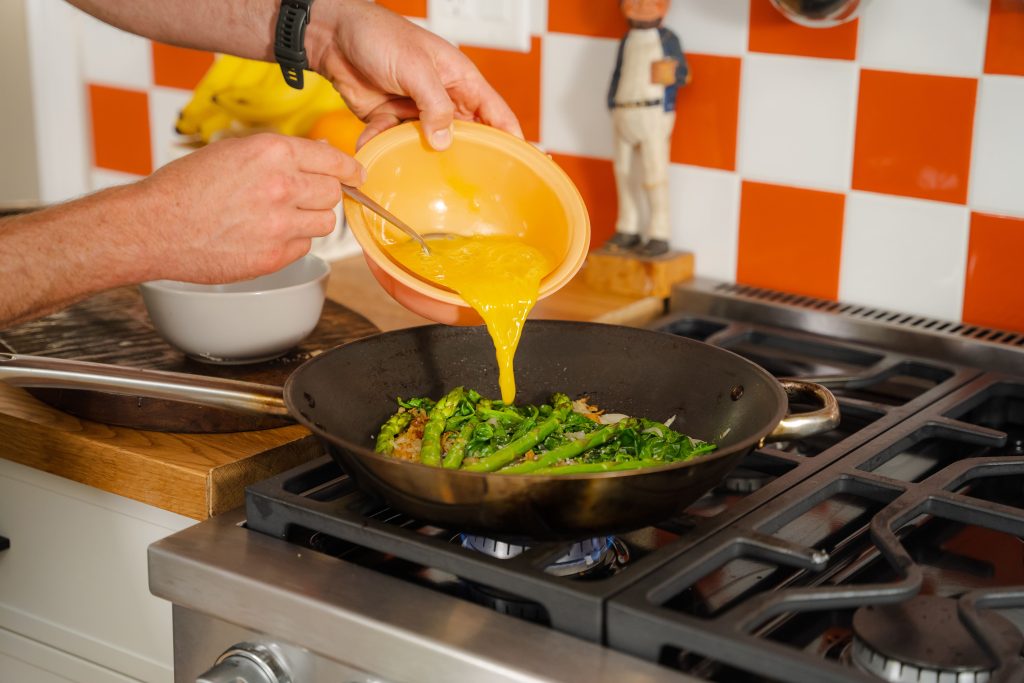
75, 582
26, 661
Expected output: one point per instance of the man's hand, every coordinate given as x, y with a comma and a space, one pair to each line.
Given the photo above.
387, 68
242, 207
231, 211
390, 70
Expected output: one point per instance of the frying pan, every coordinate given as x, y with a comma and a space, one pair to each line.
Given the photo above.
344, 394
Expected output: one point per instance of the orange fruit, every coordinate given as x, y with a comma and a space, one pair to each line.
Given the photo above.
341, 128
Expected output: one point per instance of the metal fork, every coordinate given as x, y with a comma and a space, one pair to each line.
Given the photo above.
358, 196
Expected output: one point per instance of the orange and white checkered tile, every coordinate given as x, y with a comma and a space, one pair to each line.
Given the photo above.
881, 162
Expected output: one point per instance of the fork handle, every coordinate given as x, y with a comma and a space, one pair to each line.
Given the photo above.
360, 197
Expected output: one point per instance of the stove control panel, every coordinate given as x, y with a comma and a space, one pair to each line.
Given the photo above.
246, 663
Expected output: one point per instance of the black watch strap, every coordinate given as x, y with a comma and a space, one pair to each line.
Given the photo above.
289, 40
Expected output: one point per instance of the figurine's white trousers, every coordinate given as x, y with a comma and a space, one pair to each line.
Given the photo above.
643, 131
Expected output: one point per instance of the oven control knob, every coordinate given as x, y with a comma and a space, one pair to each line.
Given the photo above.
247, 663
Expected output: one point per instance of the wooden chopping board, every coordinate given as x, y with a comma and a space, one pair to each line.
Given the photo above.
113, 328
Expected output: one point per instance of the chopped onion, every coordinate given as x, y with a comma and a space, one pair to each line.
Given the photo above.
668, 422
576, 436
493, 422
612, 418
652, 430
580, 405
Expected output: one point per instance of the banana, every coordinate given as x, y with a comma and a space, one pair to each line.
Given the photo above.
325, 99
252, 73
242, 93
226, 72
266, 101
212, 125
218, 76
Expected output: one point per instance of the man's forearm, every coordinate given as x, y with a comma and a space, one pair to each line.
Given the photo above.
54, 257
240, 27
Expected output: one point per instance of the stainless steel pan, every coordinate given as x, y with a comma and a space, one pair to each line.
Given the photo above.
344, 394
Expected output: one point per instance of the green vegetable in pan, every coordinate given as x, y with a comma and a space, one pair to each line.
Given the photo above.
395, 425
462, 430
430, 449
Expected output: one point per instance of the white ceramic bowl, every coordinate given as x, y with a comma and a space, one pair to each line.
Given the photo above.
242, 322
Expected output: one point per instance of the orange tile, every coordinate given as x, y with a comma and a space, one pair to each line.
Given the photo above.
595, 179
120, 129
790, 239
409, 8
708, 112
516, 76
994, 295
588, 18
914, 135
1005, 51
774, 33
178, 67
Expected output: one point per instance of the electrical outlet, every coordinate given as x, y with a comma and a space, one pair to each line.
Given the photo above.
502, 24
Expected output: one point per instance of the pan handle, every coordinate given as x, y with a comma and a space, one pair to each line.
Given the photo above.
802, 425
40, 371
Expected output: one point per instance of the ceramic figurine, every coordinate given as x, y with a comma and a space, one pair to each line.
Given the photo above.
649, 70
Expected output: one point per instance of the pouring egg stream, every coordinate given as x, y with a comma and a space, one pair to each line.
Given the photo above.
498, 276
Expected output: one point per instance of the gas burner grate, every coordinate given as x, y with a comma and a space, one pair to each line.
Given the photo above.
982, 347
878, 315
317, 501
781, 588
876, 390
561, 584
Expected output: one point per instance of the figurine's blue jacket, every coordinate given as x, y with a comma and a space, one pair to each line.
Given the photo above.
672, 49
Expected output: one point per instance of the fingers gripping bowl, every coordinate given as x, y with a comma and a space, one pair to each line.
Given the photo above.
241, 322
488, 182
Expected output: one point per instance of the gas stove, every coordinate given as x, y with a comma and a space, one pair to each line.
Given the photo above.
888, 549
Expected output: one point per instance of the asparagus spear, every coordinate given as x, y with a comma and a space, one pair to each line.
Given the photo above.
507, 415
514, 449
569, 450
430, 450
457, 451
395, 425
608, 466
522, 428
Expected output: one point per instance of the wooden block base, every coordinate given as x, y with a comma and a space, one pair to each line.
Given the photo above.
636, 276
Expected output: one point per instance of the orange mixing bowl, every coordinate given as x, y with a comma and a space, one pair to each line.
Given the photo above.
488, 182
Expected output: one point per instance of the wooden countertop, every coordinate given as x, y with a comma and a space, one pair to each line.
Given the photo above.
352, 284
201, 475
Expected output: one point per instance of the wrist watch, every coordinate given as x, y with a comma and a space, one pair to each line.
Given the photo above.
289, 40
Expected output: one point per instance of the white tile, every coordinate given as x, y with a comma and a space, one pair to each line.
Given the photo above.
101, 178
705, 218
115, 57
907, 255
575, 74
997, 170
797, 121
497, 24
539, 17
164, 105
930, 36
717, 27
